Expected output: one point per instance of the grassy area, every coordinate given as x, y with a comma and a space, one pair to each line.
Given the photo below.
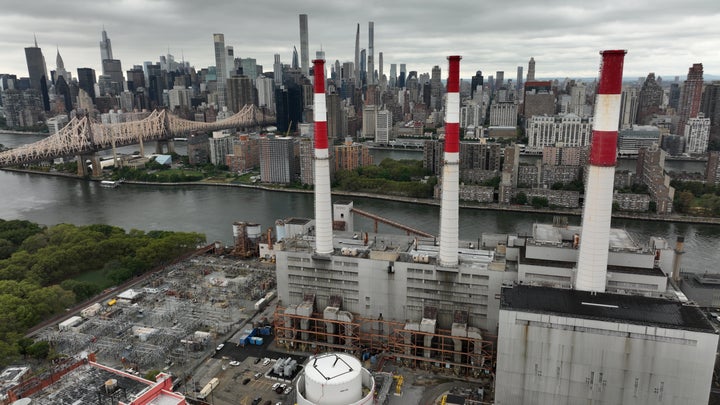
181, 172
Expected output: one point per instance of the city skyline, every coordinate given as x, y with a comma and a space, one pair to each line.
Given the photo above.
562, 38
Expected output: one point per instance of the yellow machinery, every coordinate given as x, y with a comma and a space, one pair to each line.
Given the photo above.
398, 384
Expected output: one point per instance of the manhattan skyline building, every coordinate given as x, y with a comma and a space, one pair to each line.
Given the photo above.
531, 70
690, 97
220, 68
304, 45
371, 54
37, 71
105, 47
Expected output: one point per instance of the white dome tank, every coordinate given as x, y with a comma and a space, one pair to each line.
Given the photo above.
333, 379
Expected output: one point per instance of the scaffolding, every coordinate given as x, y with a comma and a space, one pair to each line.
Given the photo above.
467, 356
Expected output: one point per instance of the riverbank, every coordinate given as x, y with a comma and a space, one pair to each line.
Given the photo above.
7, 131
423, 201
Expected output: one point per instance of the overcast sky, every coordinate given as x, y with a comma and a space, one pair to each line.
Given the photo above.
564, 37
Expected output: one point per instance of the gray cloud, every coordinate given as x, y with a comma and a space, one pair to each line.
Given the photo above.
564, 36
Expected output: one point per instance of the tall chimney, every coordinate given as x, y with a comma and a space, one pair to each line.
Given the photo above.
449, 209
323, 207
679, 250
595, 237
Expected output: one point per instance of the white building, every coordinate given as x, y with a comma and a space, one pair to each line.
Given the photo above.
471, 115
559, 130
266, 92
383, 126
561, 346
56, 123
503, 114
221, 144
697, 133
179, 97
368, 121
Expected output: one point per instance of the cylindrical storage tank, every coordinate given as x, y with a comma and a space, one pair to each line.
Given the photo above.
236, 230
280, 229
333, 379
254, 231
23, 401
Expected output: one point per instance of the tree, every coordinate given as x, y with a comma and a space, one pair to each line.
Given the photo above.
39, 350
539, 202
520, 198
683, 201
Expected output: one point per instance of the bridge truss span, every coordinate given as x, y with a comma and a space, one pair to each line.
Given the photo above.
82, 136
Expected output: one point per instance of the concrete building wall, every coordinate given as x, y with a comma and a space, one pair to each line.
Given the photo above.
548, 359
369, 289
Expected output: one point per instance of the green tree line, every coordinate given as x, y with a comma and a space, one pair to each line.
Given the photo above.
393, 177
696, 198
40, 267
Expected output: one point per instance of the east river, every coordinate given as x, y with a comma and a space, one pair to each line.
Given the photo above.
211, 210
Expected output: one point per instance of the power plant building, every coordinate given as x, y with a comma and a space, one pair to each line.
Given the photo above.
581, 314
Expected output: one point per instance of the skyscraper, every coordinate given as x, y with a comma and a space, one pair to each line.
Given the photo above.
239, 92
711, 108
295, 59
105, 47
304, 51
60, 68
499, 79
371, 54
476, 81
531, 70
220, 68
277, 70
393, 75
518, 83
436, 89
649, 100
113, 69
363, 69
37, 70
690, 96
380, 67
401, 79
86, 80
356, 74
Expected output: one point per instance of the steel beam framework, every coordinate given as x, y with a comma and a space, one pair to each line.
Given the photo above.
82, 136
390, 337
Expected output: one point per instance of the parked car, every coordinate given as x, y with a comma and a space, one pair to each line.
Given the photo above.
258, 375
245, 381
275, 386
234, 363
266, 362
288, 390
219, 347
256, 401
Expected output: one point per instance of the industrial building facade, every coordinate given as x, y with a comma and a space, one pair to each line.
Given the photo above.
568, 346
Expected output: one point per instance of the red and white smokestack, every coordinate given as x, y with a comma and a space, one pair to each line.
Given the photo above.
449, 206
323, 206
595, 237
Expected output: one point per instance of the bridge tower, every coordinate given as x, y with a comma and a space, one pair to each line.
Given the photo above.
92, 156
166, 141
83, 161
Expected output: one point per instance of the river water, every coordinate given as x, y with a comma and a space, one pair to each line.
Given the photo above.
51, 200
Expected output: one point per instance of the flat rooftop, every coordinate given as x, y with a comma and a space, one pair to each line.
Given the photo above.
655, 271
605, 307
547, 234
